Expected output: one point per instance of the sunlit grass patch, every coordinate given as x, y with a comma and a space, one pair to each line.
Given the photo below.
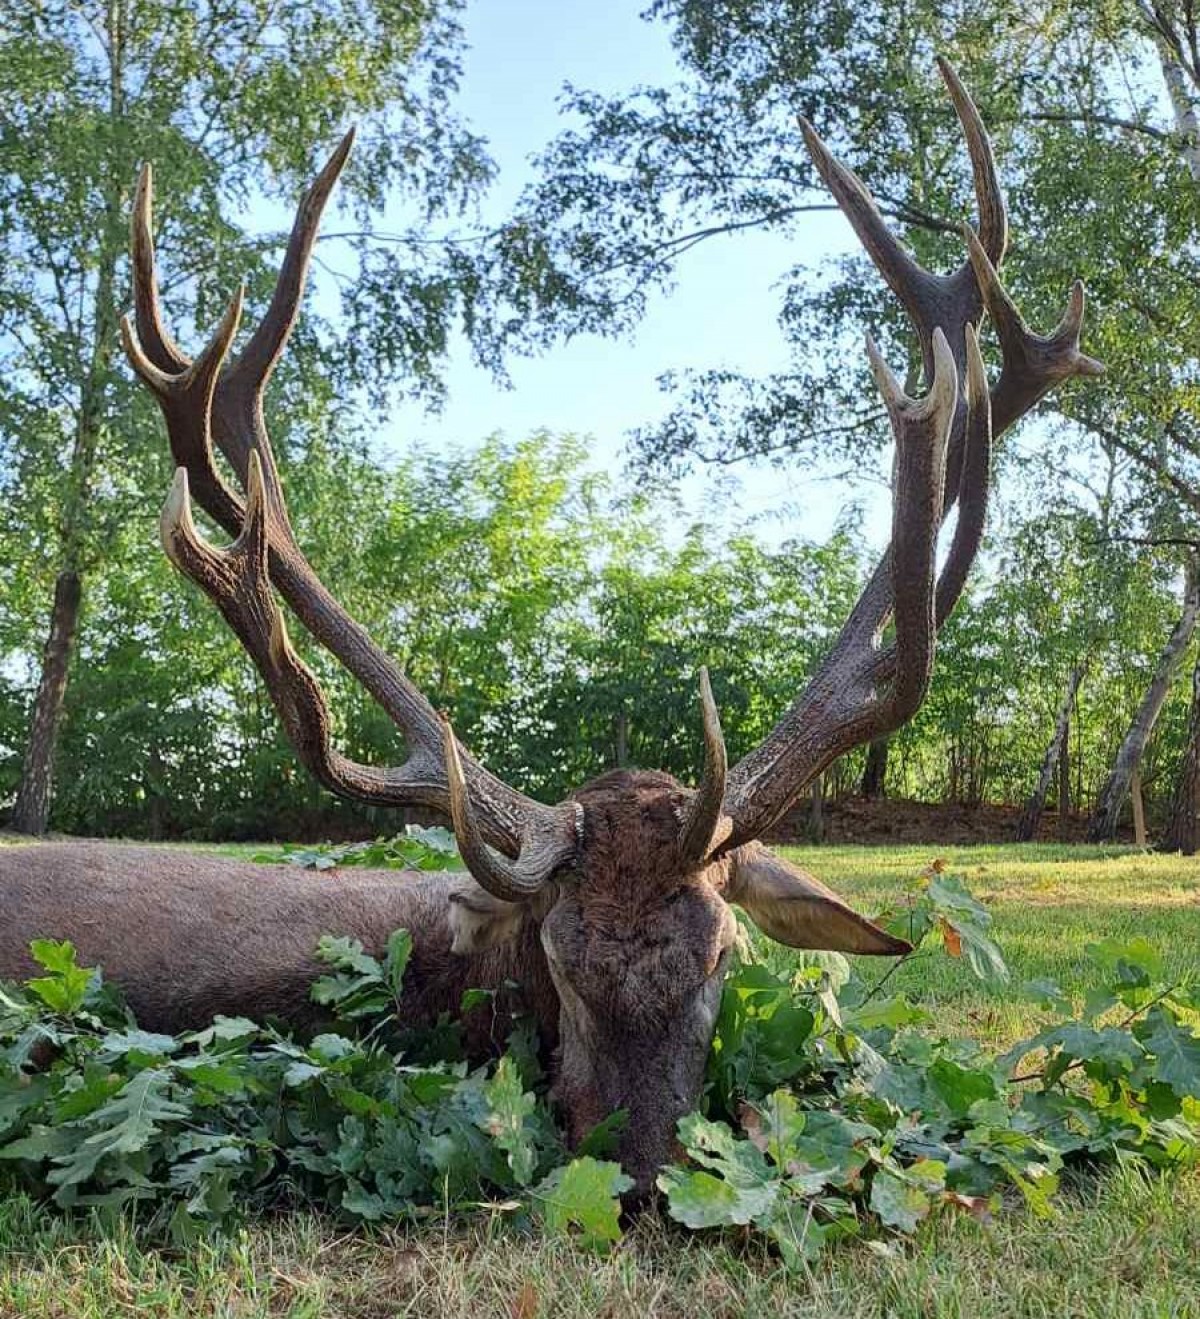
1049, 902
1122, 1247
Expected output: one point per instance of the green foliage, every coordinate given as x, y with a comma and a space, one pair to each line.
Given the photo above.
562, 634
828, 1111
644, 173
192, 1131
938, 906
558, 630
584, 1195
1063, 593
761, 1038
65, 989
415, 849
510, 1106
882, 1123
235, 106
362, 986
484, 573
1101, 176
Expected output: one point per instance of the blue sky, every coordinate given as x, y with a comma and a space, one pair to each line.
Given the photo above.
723, 311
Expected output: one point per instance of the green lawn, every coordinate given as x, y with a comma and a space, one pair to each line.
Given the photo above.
1122, 1245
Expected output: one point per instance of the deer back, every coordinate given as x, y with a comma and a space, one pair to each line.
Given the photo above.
188, 935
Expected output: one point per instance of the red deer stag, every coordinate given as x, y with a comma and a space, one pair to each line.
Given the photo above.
613, 906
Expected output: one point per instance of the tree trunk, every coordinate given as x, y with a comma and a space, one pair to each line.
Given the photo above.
817, 817
1139, 808
1103, 826
1031, 816
35, 792
1064, 784
621, 738
156, 802
875, 770
32, 810
1183, 828
1187, 126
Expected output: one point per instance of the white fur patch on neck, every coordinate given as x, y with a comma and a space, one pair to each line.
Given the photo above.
479, 921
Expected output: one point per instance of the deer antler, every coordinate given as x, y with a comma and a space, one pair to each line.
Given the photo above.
862, 691
217, 399
704, 825
943, 445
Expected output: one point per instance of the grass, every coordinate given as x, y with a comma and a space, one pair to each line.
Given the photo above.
1122, 1245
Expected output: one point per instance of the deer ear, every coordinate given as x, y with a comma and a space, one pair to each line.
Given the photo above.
479, 921
792, 907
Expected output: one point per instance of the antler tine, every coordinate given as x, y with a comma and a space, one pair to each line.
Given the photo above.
922, 431
185, 397
239, 427
543, 851
915, 288
161, 348
1032, 363
234, 420
859, 692
952, 301
974, 480
261, 354
193, 384
989, 196
700, 829
203, 403
237, 580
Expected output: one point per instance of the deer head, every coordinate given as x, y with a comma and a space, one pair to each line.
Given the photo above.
632, 877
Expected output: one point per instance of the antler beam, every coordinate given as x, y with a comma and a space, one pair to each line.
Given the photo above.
219, 398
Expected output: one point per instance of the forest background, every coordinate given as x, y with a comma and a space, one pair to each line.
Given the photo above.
555, 584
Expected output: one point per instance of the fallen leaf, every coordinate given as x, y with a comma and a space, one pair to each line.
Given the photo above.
978, 1206
752, 1123
525, 1303
952, 938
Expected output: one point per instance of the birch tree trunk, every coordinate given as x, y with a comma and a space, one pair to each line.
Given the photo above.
1183, 827
1064, 784
1031, 816
1103, 826
31, 811
621, 739
1139, 809
1187, 123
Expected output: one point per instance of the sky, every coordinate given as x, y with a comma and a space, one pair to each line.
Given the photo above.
722, 312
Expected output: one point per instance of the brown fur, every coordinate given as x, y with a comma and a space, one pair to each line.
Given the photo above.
187, 936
